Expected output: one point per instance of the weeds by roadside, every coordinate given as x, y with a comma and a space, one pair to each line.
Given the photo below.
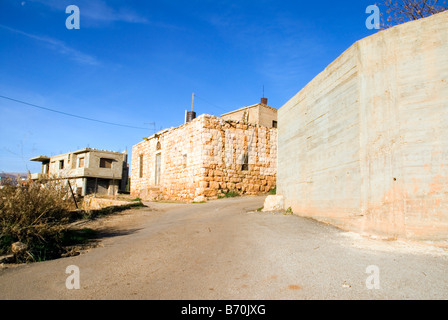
36, 218
34, 215
229, 194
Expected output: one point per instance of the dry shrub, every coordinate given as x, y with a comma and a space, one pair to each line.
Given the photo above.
35, 214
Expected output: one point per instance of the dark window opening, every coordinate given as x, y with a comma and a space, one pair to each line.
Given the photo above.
274, 124
61, 164
245, 165
106, 163
185, 161
140, 166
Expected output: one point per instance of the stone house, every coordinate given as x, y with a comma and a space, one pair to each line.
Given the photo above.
90, 171
208, 157
259, 113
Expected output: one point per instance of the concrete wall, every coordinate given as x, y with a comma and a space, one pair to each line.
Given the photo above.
365, 144
250, 113
266, 115
259, 114
91, 167
84, 178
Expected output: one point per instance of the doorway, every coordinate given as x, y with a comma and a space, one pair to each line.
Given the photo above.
158, 164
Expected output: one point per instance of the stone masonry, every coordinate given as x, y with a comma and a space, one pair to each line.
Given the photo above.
203, 159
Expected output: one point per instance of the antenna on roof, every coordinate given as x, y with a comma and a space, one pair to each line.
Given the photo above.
190, 115
154, 126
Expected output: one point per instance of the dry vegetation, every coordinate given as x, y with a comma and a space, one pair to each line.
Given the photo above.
401, 11
39, 216
36, 215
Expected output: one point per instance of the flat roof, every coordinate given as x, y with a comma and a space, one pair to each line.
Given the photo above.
40, 158
84, 150
248, 107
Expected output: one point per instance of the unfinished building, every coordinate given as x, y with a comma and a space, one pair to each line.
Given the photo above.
89, 171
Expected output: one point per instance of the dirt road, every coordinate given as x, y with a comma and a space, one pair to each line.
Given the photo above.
225, 249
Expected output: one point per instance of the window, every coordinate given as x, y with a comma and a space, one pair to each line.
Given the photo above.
80, 162
185, 160
140, 166
158, 146
106, 163
245, 165
274, 124
61, 164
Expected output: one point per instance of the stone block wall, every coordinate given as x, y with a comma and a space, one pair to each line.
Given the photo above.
181, 163
226, 145
205, 157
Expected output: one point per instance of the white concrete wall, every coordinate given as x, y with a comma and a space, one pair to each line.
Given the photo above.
259, 114
365, 144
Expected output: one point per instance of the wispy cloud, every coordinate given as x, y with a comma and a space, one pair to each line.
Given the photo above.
97, 11
58, 46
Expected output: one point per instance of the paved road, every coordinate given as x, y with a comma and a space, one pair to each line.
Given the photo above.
224, 249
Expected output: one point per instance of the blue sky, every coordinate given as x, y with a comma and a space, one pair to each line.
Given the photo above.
138, 62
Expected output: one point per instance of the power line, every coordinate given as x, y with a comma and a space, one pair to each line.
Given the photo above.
200, 98
72, 115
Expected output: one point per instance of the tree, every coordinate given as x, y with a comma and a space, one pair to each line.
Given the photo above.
401, 11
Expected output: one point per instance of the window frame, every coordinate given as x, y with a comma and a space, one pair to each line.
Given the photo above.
105, 161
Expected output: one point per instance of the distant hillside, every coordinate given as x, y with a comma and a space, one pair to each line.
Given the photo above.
4, 175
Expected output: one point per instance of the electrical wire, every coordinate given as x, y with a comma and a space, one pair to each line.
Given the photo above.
71, 115
210, 103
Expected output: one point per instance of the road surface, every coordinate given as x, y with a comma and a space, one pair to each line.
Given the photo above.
225, 249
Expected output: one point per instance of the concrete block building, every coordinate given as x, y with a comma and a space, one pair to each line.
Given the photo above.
208, 156
90, 171
364, 145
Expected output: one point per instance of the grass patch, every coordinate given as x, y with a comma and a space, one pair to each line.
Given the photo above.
273, 191
231, 194
228, 194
